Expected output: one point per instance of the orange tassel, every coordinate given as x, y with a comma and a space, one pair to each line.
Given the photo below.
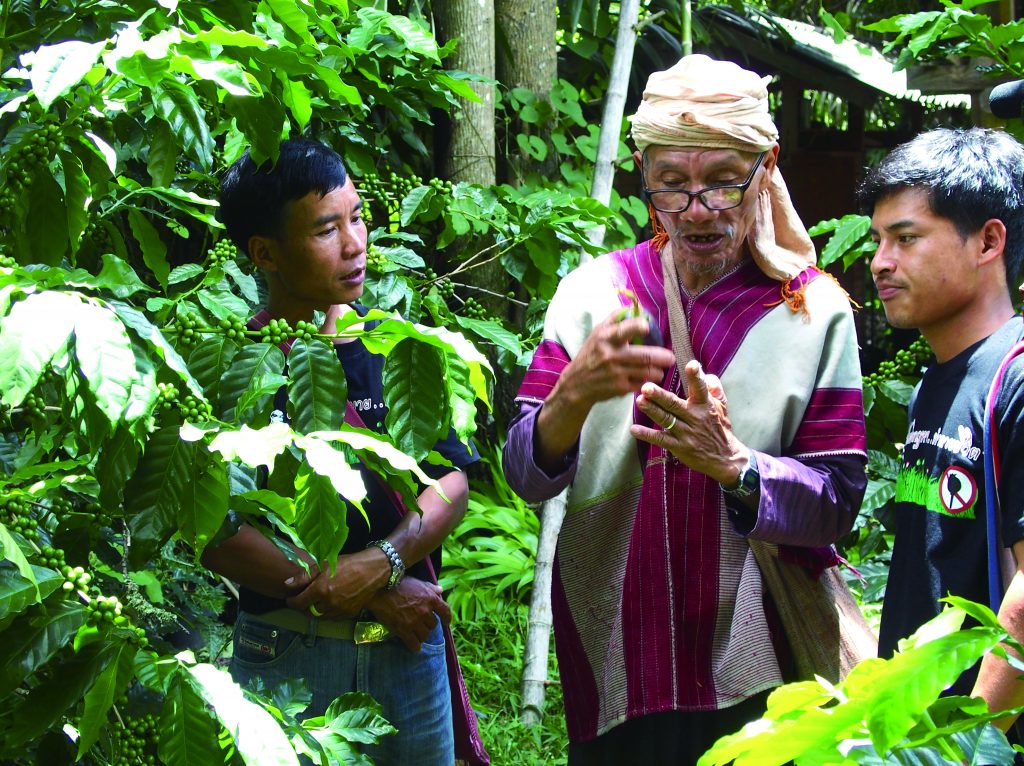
660, 235
796, 296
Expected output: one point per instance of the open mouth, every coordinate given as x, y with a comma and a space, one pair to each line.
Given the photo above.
354, 274
704, 241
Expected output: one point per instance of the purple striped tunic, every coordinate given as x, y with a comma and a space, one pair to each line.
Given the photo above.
657, 601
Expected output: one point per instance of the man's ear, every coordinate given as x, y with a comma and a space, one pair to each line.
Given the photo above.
993, 240
638, 160
261, 252
771, 159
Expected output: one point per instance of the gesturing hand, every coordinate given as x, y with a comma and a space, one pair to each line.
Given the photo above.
695, 429
342, 594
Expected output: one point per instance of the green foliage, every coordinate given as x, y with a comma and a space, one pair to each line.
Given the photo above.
885, 711
134, 401
489, 558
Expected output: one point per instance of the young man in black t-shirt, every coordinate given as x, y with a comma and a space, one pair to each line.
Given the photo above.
948, 216
300, 220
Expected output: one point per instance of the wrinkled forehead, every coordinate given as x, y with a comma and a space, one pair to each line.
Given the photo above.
659, 158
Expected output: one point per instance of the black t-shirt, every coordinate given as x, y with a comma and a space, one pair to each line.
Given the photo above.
364, 373
940, 544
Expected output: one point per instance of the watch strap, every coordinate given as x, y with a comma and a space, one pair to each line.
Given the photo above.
397, 565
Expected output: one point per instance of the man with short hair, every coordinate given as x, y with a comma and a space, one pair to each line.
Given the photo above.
665, 636
947, 212
300, 221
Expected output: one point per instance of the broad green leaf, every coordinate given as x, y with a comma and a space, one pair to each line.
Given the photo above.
416, 37
119, 278
138, 322
108, 686
254, 447
878, 493
298, 99
244, 282
143, 393
182, 111
462, 400
318, 389
48, 233
154, 251
282, 507
187, 730
11, 551
414, 393
36, 331
16, 592
414, 201
223, 303
155, 493
838, 33
320, 516
77, 196
293, 17
331, 463
257, 736
364, 441
204, 502
105, 358
162, 154
897, 391
48, 702
56, 69
30, 642
848, 233
352, 717
492, 331
209, 361
99, 146
250, 365
229, 75
184, 272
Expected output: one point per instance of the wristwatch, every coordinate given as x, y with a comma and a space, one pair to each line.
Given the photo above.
749, 479
397, 565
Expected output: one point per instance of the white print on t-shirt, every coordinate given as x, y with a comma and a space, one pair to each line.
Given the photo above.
367, 404
963, 446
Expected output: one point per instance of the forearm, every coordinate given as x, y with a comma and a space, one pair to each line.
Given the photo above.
558, 426
417, 534
998, 683
808, 503
254, 562
524, 474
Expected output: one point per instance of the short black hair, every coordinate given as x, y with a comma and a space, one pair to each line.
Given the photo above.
970, 176
253, 199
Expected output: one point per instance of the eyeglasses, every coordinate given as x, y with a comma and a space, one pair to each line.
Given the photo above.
713, 197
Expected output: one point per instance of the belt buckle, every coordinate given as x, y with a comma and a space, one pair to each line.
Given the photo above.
369, 633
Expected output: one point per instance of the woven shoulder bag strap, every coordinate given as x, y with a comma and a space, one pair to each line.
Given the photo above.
991, 464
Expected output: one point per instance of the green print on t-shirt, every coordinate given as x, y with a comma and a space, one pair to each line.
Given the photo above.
953, 494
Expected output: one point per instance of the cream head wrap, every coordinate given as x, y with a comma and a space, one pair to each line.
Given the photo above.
708, 104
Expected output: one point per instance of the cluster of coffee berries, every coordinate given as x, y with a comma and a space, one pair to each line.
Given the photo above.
61, 506
440, 186
233, 328
34, 405
276, 331
195, 409
222, 252
75, 579
135, 740
375, 259
166, 396
473, 309
7, 199
306, 330
99, 236
30, 155
190, 328
6, 261
101, 124
445, 288
100, 514
105, 609
16, 513
907, 362
372, 187
52, 558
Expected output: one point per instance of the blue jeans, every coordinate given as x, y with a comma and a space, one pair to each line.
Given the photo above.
411, 686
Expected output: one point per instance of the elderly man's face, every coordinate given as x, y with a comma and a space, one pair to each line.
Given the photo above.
706, 242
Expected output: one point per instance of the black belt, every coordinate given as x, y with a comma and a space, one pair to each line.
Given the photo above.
359, 631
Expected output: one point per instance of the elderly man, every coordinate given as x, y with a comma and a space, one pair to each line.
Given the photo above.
751, 426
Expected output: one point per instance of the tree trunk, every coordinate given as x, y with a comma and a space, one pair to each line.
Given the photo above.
538, 632
527, 58
471, 152
614, 104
